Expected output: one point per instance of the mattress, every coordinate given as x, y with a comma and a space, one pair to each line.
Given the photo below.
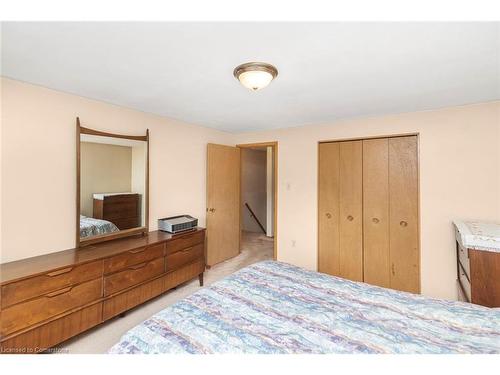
273, 308
92, 227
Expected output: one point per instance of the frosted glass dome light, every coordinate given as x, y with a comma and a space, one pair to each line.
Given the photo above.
255, 75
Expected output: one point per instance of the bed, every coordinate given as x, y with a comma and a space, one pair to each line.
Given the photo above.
92, 227
273, 307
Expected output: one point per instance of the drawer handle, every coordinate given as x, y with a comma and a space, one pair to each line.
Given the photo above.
60, 272
136, 267
186, 250
137, 251
59, 292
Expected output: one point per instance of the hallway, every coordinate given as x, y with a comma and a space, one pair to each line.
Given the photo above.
256, 247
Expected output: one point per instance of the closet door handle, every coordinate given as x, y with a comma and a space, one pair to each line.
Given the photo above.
350, 218
392, 269
328, 215
375, 220
403, 223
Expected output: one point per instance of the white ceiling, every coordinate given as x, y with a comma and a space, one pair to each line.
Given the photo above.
327, 71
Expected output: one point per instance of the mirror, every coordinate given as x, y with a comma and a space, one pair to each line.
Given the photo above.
112, 185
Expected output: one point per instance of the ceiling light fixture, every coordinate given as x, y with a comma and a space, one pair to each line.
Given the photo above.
255, 75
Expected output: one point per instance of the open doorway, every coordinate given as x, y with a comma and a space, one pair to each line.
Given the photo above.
258, 200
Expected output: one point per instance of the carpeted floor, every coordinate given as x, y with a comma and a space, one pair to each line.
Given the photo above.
255, 247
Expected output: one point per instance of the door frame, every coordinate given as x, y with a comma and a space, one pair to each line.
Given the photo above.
274, 145
419, 224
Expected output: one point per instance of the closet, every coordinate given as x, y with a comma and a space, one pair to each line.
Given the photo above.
368, 211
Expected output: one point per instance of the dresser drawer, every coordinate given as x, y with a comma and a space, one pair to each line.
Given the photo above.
463, 257
184, 256
132, 257
121, 199
185, 242
51, 281
464, 282
121, 210
52, 333
127, 223
133, 297
49, 305
461, 294
133, 275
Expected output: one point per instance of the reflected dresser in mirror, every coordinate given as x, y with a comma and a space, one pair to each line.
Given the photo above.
122, 209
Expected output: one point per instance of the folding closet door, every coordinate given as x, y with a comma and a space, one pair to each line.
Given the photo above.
403, 213
340, 211
328, 208
376, 257
351, 210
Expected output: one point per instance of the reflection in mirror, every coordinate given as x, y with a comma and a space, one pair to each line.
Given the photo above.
112, 185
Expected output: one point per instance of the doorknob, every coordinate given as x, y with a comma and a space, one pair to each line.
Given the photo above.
375, 220
212, 210
350, 218
328, 215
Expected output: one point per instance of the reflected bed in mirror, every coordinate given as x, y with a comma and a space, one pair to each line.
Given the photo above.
112, 185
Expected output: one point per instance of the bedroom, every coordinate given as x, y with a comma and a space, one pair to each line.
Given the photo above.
379, 181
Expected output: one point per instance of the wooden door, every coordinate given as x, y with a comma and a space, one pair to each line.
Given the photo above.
376, 259
328, 209
403, 213
351, 210
223, 203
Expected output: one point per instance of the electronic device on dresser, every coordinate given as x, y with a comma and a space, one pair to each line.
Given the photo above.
478, 262
177, 224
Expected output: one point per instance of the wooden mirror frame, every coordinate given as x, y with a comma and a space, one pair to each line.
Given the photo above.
123, 233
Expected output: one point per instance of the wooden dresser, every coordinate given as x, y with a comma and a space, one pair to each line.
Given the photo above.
48, 299
478, 271
123, 210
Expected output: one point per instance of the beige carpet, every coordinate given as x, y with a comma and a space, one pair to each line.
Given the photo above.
255, 247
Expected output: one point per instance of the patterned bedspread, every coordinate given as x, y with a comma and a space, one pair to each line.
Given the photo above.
274, 307
93, 227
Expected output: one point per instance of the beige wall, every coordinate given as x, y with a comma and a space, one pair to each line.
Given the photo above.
253, 188
459, 178
103, 169
38, 164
